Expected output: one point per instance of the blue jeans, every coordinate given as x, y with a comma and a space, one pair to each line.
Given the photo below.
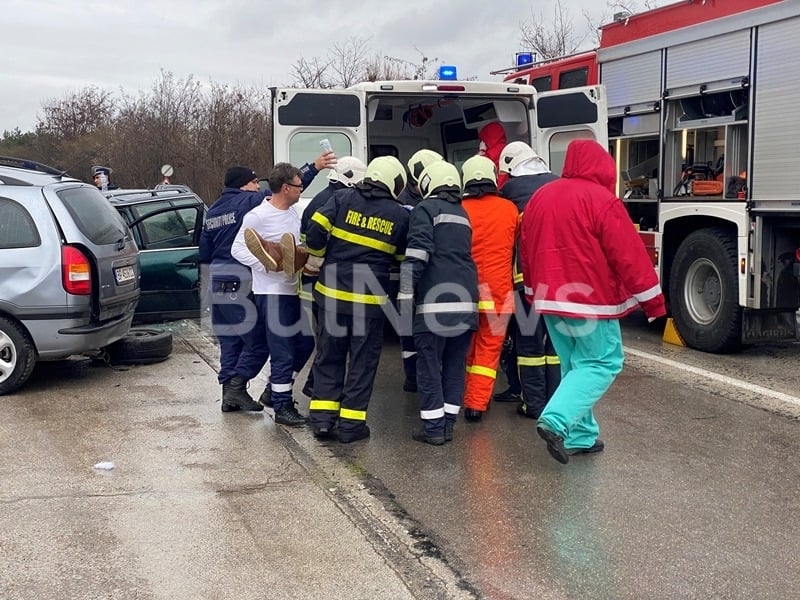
290, 341
591, 358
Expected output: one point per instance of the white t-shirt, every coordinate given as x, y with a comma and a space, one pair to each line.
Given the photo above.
270, 223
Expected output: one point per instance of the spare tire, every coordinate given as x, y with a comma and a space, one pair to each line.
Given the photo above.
142, 346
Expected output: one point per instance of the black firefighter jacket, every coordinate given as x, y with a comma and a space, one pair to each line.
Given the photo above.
361, 232
438, 269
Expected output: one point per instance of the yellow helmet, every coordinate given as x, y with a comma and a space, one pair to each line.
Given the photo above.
388, 172
439, 175
478, 169
419, 160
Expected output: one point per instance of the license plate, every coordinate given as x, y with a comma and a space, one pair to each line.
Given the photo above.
124, 274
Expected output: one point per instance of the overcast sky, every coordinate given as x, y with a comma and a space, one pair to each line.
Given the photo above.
51, 48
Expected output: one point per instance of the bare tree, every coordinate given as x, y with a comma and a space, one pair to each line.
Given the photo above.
311, 73
76, 114
551, 39
348, 60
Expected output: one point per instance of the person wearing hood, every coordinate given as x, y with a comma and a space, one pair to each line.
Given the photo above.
494, 231
353, 241
533, 369
492, 141
439, 276
584, 267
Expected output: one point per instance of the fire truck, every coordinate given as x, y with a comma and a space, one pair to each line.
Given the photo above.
702, 125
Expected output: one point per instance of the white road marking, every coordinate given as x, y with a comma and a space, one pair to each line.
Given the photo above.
724, 379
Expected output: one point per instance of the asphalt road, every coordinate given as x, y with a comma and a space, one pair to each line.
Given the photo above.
695, 496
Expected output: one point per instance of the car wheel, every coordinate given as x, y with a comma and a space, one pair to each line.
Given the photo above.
17, 356
142, 346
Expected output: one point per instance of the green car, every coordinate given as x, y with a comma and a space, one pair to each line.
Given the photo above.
166, 223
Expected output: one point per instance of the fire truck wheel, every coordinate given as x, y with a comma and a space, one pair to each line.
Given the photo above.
703, 291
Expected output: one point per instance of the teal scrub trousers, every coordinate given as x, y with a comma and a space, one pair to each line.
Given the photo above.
591, 356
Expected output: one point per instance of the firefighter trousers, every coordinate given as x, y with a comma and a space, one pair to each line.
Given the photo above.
441, 373
538, 363
592, 356
348, 353
482, 359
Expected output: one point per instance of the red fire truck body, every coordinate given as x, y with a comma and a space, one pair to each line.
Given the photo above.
703, 126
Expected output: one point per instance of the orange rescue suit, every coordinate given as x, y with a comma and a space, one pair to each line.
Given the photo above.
495, 224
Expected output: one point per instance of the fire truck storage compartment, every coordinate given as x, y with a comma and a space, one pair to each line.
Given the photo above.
776, 118
633, 84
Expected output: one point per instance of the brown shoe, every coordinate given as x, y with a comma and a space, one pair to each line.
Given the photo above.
294, 256
267, 253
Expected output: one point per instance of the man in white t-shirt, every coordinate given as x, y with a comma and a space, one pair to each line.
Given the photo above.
289, 333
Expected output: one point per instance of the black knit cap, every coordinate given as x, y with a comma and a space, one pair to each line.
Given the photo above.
237, 177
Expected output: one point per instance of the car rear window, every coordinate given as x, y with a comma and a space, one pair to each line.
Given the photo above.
17, 229
93, 215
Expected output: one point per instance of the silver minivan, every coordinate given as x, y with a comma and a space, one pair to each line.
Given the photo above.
69, 269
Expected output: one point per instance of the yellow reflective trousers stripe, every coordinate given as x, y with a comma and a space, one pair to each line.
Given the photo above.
324, 405
531, 361
353, 415
485, 371
552, 360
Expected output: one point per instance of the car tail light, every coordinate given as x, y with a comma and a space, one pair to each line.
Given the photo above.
76, 272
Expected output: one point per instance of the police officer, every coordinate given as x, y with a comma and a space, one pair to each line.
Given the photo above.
243, 348
346, 173
359, 234
537, 363
440, 275
242, 342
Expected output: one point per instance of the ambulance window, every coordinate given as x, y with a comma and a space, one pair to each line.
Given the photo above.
304, 148
574, 78
565, 109
333, 110
558, 147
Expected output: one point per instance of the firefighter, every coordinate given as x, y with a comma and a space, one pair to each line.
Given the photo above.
409, 198
537, 363
494, 231
347, 172
440, 276
359, 234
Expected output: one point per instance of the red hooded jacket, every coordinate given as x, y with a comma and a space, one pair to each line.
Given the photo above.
494, 136
581, 255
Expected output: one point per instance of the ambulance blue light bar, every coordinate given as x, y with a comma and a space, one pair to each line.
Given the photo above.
524, 58
447, 73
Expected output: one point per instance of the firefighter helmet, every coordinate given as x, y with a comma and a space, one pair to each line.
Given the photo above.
515, 154
419, 160
388, 172
348, 171
478, 169
439, 175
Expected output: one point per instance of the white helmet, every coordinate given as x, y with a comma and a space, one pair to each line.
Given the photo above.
388, 172
477, 169
419, 160
514, 154
439, 175
348, 170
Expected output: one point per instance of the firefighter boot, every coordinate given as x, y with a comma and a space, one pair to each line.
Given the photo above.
235, 396
267, 253
294, 256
